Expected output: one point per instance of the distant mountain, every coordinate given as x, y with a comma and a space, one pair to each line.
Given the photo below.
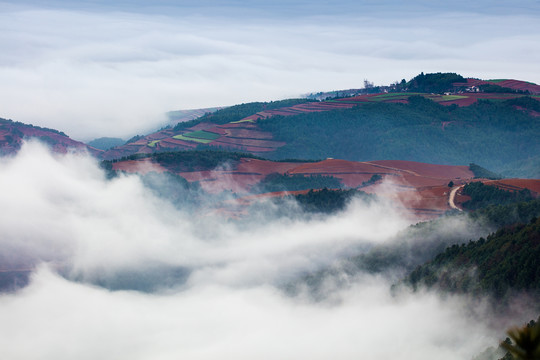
13, 133
493, 123
105, 143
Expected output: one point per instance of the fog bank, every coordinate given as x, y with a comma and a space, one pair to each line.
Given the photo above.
210, 288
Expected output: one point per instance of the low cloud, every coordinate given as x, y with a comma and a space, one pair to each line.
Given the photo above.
223, 296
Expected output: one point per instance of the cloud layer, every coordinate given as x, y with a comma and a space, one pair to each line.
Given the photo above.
101, 71
65, 216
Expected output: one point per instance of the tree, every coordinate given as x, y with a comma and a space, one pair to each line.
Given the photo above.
451, 184
526, 342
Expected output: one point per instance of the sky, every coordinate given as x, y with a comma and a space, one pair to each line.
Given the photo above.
66, 217
100, 68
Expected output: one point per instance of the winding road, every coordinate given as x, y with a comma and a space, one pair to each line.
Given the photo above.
452, 197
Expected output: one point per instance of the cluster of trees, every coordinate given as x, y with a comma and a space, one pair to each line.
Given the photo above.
188, 160
372, 180
106, 143
504, 215
483, 195
329, 200
494, 134
434, 83
492, 88
284, 182
414, 250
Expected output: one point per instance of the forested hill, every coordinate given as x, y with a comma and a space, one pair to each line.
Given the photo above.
497, 135
439, 118
507, 260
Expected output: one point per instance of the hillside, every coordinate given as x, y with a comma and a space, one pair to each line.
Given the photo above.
494, 126
506, 260
13, 133
422, 188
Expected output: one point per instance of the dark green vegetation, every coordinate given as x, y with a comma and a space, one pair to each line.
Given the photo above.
279, 182
105, 143
238, 112
507, 260
495, 134
329, 201
372, 180
187, 160
426, 241
492, 88
483, 195
505, 215
434, 83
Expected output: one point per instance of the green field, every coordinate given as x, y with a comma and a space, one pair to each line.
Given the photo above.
392, 96
185, 138
451, 97
243, 121
201, 134
153, 143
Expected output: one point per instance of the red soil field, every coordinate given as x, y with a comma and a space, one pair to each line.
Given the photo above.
428, 170
516, 184
420, 188
520, 85
163, 134
264, 167
140, 166
512, 84
202, 126
217, 130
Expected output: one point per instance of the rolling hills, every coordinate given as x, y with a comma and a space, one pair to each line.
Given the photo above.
497, 128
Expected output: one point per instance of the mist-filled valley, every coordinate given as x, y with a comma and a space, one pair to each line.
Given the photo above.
246, 179
116, 270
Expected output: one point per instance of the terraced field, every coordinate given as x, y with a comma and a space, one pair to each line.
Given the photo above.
244, 135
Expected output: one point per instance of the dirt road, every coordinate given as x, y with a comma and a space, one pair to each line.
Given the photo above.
452, 197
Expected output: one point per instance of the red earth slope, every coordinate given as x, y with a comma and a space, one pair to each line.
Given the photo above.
13, 133
421, 188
